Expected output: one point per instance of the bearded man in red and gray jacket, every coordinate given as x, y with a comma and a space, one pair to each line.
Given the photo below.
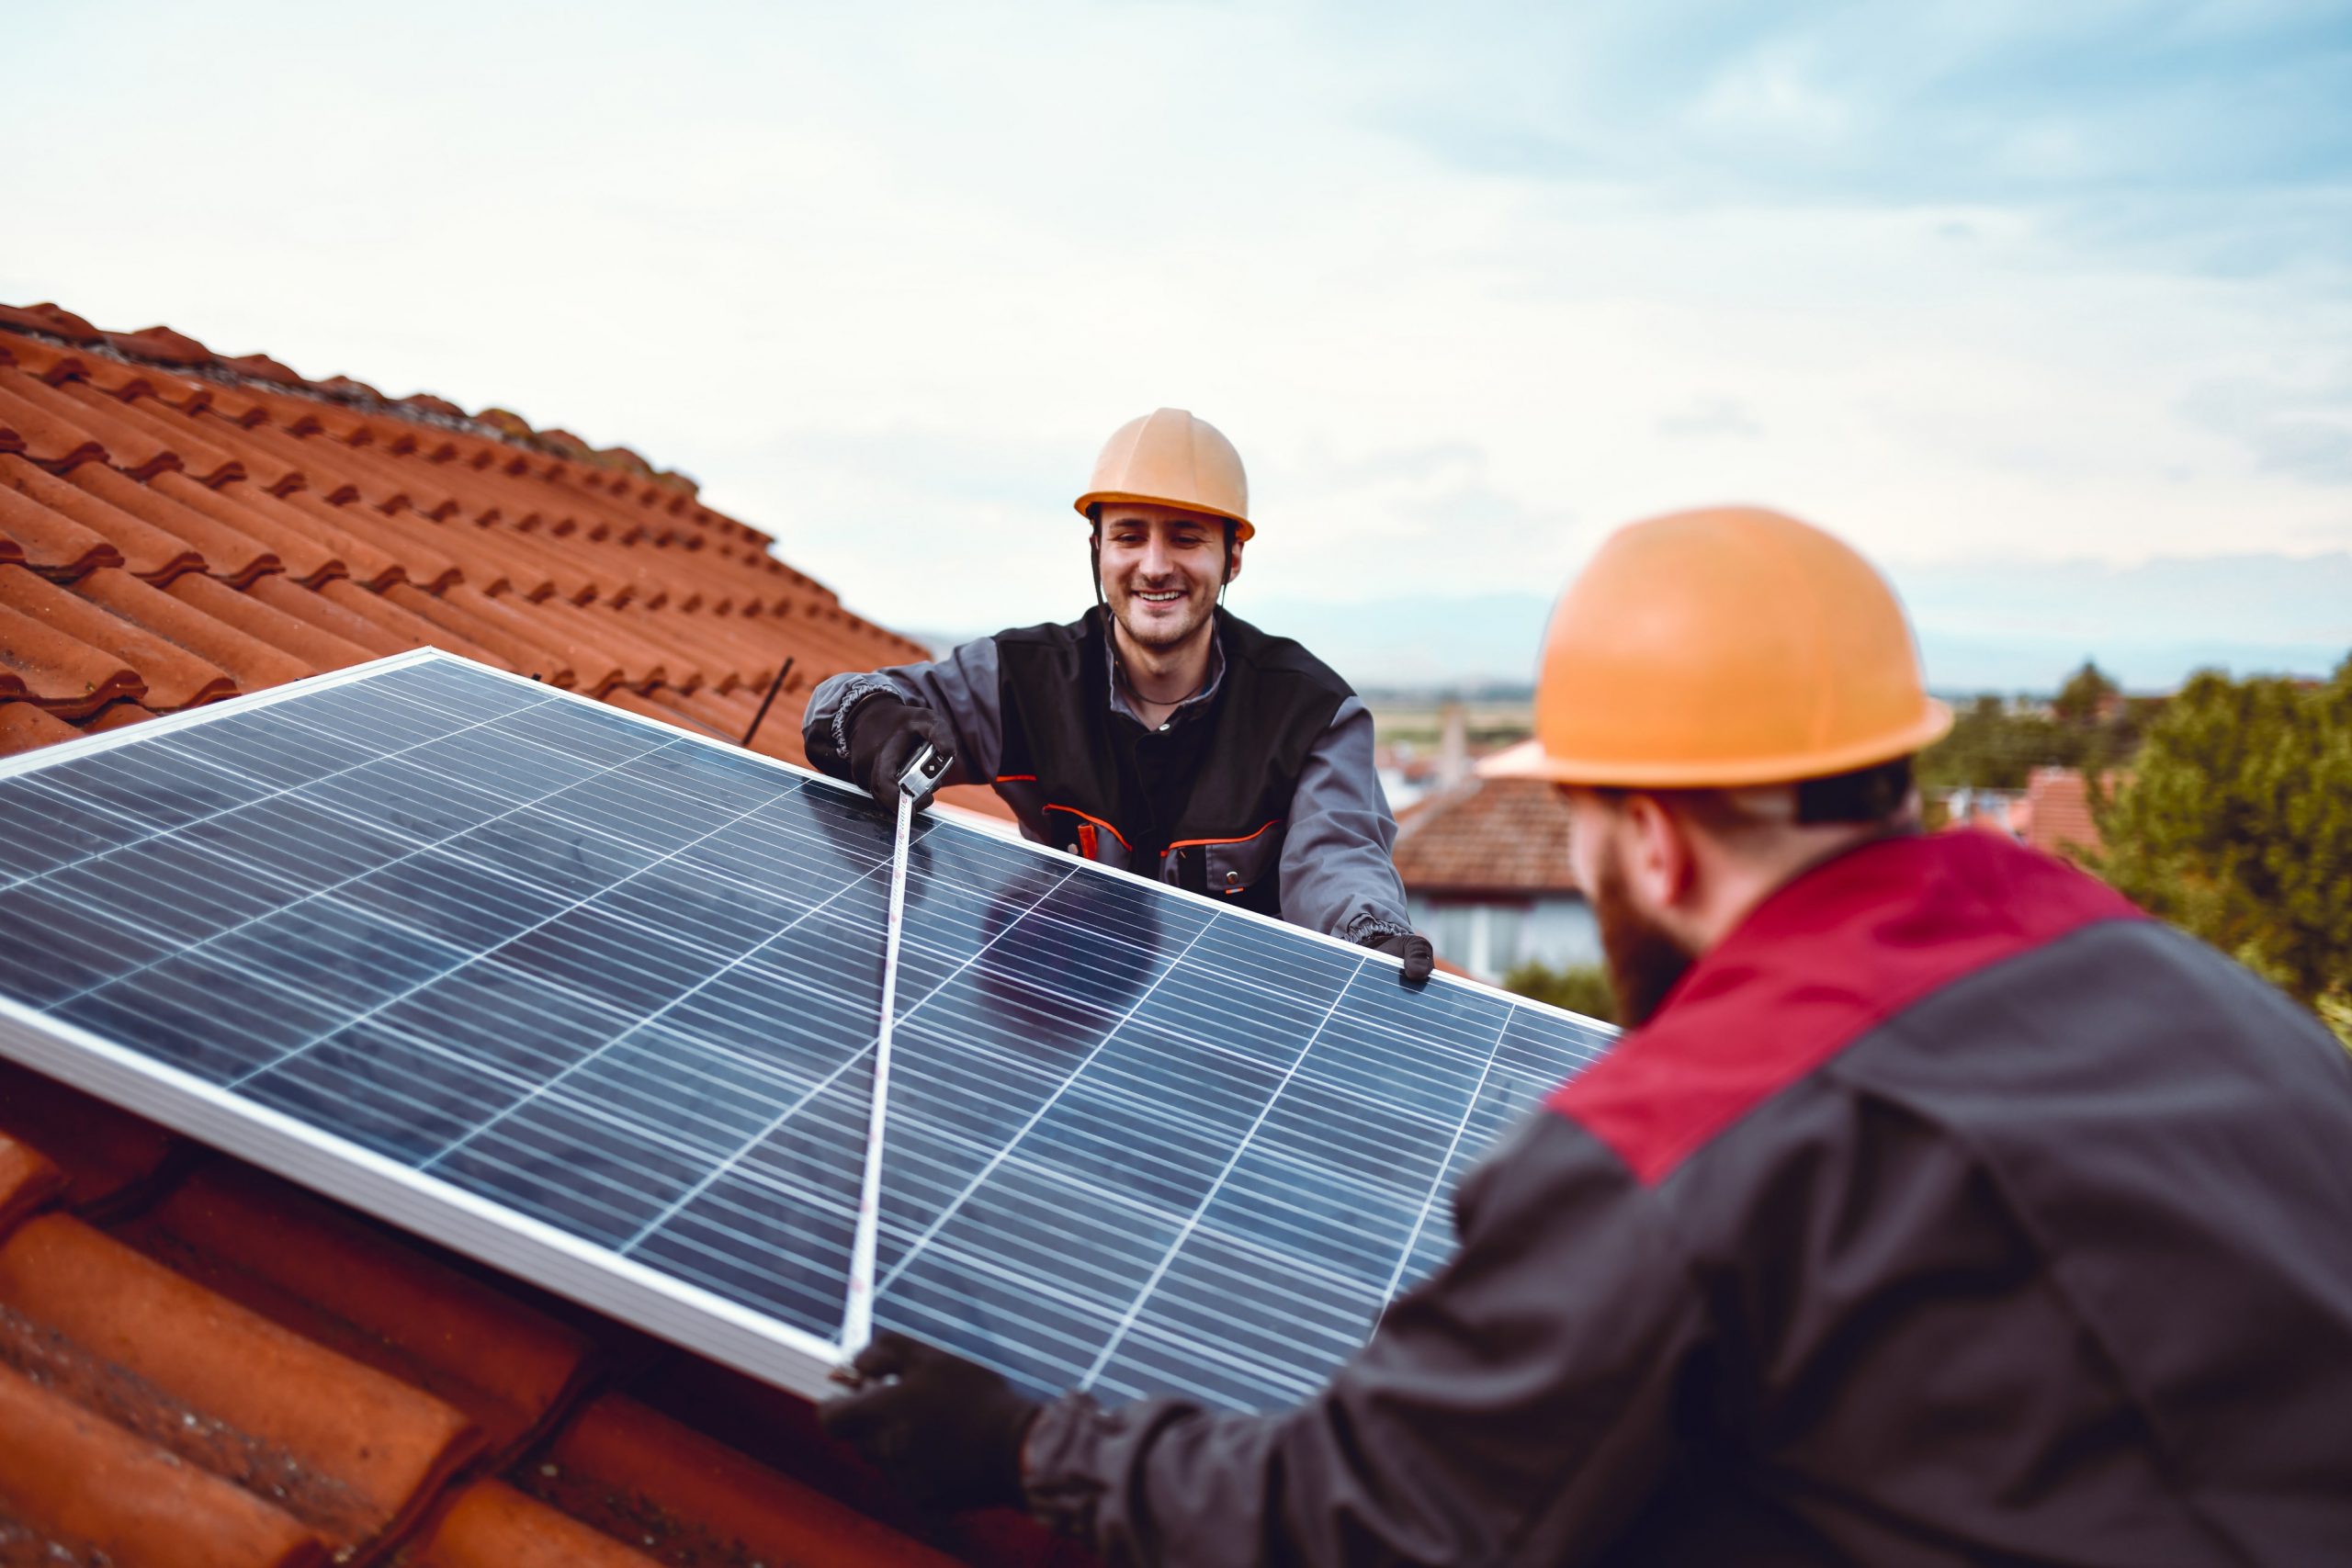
1936, 1208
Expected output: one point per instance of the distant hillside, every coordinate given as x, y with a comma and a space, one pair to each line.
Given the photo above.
2005, 627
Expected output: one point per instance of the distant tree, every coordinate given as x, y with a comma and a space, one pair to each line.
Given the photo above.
2235, 823
2090, 726
2086, 697
1582, 989
1992, 748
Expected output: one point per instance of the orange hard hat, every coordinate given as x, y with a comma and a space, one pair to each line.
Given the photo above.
1720, 648
1169, 458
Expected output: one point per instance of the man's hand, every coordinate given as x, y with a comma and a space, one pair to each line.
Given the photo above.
885, 733
1414, 948
947, 1433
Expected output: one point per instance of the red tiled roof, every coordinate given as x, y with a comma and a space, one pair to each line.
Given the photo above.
202, 1366
176, 527
2057, 812
1488, 835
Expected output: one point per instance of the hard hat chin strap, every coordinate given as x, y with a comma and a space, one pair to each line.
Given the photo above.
1094, 551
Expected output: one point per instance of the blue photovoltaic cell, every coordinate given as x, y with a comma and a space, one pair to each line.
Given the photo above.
625, 983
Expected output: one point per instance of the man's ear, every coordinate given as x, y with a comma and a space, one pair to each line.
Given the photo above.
1233, 561
1661, 865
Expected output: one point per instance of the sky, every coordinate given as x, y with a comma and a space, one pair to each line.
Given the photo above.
2048, 307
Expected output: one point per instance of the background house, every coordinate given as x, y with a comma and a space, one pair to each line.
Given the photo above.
1484, 864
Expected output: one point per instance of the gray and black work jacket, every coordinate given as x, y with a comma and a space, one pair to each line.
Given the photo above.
1948, 1212
1260, 788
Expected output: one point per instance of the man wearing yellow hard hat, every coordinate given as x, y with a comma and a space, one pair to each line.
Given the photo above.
1157, 733
1937, 1209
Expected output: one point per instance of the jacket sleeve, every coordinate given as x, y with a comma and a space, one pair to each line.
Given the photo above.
1339, 874
1517, 1407
962, 689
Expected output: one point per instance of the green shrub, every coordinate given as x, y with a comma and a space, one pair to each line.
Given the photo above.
1583, 989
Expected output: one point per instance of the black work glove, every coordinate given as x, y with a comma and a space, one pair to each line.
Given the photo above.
945, 1432
1412, 947
884, 736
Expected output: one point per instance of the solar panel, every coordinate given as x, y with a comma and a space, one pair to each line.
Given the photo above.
595, 1000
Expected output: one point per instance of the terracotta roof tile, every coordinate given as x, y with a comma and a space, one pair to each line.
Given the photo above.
349, 625
24, 726
318, 464
664, 706
250, 662
412, 484
344, 386
640, 1475
345, 1449
408, 541
357, 1289
367, 557
412, 630
310, 646
173, 433
54, 544
493, 1526
78, 1489
780, 1432
127, 443
262, 367
28, 1180
1489, 835
537, 569
118, 715
226, 552
51, 362
147, 551
161, 344
51, 319
27, 428
459, 614
45, 655
305, 554
595, 665
2058, 819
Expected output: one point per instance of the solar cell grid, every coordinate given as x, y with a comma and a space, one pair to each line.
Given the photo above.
539, 958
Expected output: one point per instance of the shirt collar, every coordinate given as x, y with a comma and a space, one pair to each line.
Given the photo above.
1191, 706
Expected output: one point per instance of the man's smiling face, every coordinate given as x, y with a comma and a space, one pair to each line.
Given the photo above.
1160, 569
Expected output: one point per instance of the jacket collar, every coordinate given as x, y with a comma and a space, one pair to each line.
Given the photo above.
1192, 707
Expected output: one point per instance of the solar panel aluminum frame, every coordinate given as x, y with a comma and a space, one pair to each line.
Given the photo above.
513, 1242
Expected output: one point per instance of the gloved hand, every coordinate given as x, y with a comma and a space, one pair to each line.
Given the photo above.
884, 736
945, 1432
1412, 947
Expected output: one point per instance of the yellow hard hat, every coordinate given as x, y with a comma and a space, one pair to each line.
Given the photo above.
1720, 648
1169, 458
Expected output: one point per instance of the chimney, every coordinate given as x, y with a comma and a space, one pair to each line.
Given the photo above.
1452, 747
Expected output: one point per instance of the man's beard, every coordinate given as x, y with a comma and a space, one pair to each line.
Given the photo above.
1645, 959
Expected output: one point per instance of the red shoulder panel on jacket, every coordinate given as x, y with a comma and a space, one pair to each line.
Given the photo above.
1816, 965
